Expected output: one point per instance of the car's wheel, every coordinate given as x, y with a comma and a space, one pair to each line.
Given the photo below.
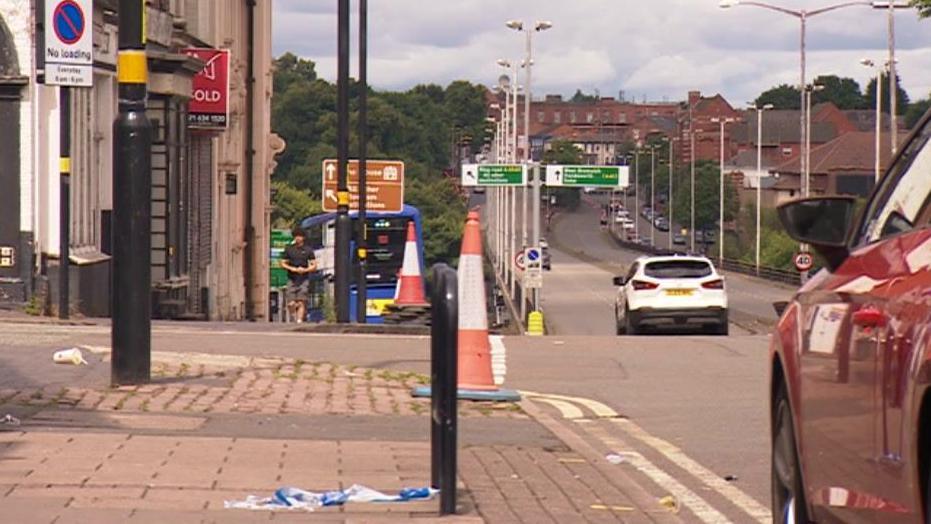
631, 323
788, 493
618, 327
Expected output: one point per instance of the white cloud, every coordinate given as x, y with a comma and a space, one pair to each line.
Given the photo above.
659, 48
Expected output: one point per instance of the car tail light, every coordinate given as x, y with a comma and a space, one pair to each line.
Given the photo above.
714, 284
640, 285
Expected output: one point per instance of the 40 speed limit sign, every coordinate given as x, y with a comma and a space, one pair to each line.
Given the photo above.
804, 261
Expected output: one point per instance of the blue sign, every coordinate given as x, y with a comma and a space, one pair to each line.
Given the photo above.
68, 21
533, 255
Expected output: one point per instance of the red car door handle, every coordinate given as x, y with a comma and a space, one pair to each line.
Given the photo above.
869, 317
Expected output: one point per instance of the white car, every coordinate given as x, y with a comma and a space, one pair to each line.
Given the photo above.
670, 290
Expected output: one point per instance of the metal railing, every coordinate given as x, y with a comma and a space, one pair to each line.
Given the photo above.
766, 273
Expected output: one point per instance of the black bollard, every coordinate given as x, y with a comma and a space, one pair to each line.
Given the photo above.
444, 334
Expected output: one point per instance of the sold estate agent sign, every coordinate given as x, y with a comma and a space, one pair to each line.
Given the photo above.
209, 105
69, 43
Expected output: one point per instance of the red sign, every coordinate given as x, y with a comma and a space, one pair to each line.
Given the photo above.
804, 261
209, 105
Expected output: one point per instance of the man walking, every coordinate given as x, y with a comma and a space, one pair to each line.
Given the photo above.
300, 262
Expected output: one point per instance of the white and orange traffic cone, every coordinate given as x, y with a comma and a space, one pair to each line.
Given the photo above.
410, 290
476, 380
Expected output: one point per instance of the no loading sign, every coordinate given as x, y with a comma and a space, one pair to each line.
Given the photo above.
69, 42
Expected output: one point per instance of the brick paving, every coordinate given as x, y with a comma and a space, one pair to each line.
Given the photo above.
203, 384
155, 467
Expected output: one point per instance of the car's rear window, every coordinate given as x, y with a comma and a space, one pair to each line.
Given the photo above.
677, 269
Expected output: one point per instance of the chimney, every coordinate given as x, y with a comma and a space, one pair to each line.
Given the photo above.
554, 98
694, 97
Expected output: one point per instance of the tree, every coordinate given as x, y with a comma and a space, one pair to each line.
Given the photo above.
924, 7
901, 102
781, 97
581, 98
563, 152
845, 92
917, 110
291, 205
707, 202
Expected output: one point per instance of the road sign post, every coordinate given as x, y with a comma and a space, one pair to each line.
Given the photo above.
587, 176
131, 331
494, 175
384, 185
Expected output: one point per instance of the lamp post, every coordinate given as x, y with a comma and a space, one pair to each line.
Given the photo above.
669, 199
877, 165
759, 175
803, 15
539, 26
722, 122
637, 193
808, 92
692, 177
653, 195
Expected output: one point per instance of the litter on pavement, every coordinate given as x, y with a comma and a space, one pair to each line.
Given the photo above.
9, 420
620, 458
297, 499
71, 356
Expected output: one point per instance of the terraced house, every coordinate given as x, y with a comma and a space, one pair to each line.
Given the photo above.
210, 175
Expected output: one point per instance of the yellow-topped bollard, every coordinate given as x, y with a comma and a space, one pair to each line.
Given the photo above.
535, 324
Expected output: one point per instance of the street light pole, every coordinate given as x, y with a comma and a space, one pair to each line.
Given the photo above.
759, 176
877, 146
653, 195
637, 193
723, 122
692, 182
670, 199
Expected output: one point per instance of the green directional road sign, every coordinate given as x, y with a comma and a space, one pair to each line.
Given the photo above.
494, 175
587, 176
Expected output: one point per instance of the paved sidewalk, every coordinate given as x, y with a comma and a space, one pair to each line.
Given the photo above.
212, 428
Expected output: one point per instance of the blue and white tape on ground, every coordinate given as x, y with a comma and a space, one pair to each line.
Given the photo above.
294, 498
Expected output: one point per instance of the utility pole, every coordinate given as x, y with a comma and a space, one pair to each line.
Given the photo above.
64, 202
362, 226
343, 264
131, 331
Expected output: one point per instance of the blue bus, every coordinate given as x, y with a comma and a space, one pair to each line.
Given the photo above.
387, 236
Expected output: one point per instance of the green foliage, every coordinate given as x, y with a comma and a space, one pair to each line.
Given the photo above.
707, 199
924, 7
843, 92
916, 110
781, 97
581, 98
901, 102
416, 126
565, 153
291, 205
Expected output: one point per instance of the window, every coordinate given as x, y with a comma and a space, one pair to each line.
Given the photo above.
589, 117
622, 118
677, 269
787, 151
557, 117
572, 117
905, 193
541, 116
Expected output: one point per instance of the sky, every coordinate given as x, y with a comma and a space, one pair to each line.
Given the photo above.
656, 50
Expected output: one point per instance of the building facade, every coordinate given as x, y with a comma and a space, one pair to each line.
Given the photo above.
210, 188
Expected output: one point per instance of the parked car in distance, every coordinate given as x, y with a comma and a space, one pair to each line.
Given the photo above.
672, 290
678, 239
850, 358
661, 223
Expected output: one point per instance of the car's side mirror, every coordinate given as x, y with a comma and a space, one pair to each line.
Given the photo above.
823, 222
619, 281
780, 307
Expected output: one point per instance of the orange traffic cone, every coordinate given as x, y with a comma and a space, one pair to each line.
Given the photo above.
474, 346
410, 284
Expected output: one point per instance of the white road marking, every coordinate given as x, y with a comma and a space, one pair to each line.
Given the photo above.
567, 409
499, 366
697, 505
746, 503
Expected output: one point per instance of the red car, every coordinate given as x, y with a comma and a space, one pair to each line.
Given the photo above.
851, 355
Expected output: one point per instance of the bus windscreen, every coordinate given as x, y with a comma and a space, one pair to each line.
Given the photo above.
386, 240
